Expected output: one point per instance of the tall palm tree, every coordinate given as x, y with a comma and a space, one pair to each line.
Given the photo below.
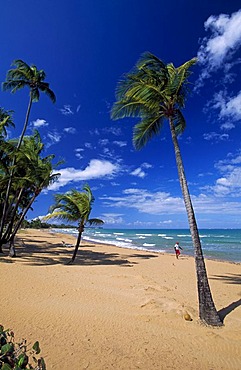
24, 75
17, 78
75, 206
156, 92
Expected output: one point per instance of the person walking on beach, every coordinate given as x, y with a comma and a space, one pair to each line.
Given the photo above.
177, 248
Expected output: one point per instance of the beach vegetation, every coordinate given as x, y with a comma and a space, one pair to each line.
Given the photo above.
22, 75
156, 92
32, 173
75, 206
18, 355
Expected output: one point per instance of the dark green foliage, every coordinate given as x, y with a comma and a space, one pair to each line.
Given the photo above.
18, 356
38, 224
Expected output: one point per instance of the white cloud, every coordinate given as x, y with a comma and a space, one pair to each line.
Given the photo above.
79, 156
39, 123
96, 169
112, 218
146, 202
77, 153
161, 203
214, 136
225, 38
120, 143
146, 165
227, 126
232, 108
88, 145
230, 182
138, 172
70, 130
113, 130
229, 107
54, 137
103, 142
67, 110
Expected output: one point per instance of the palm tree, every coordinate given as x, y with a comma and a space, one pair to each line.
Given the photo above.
19, 77
75, 206
6, 120
156, 92
32, 175
5, 149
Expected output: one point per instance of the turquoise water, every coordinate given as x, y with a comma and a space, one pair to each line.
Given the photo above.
220, 244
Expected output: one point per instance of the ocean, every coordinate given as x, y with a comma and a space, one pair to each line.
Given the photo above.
220, 244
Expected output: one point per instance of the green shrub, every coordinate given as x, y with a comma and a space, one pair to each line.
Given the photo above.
18, 356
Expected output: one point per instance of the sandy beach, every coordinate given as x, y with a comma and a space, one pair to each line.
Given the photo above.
117, 308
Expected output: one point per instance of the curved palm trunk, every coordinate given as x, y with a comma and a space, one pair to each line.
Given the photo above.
81, 229
9, 227
12, 252
207, 310
4, 213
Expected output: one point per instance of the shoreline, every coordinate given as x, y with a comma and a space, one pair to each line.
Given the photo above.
147, 250
117, 308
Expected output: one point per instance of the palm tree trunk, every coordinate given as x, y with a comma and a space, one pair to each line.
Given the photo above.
207, 309
19, 222
4, 213
8, 229
81, 229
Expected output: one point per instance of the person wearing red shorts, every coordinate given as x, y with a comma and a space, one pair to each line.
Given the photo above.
177, 249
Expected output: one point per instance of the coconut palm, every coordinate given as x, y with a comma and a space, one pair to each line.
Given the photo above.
17, 78
156, 92
24, 75
32, 174
5, 149
37, 174
6, 121
75, 206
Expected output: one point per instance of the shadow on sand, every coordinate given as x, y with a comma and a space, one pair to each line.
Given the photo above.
226, 310
37, 252
228, 279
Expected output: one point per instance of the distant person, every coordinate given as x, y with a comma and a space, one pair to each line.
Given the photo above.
177, 248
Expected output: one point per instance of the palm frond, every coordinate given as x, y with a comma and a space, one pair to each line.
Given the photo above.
20, 64
14, 85
44, 87
146, 129
149, 60
35, 94
184, 69
62, 215
179, 122
178, 77
135, 94
95, 221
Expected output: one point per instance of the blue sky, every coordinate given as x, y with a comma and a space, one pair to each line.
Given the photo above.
85, 46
